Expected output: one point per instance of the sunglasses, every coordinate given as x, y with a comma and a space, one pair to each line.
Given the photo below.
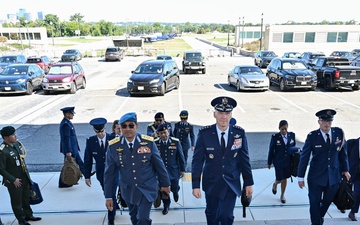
159, 120
99, 131
131, 126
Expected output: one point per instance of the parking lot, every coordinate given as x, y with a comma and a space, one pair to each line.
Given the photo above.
37, 116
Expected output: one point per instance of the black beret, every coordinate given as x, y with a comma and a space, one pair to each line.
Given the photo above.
159, 115
223, 104
184, 114
326, 114
7, 131
162, 127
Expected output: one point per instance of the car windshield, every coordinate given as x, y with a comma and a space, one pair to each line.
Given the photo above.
8, 59
55, 70
163, 58
294, 66
34, 60
149, 69
251, 70
70, 51
111, 50
193, 55
18, 70
268, 54
338, 62
294, 55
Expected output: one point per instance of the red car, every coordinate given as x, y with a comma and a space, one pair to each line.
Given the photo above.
43, 62
64, 77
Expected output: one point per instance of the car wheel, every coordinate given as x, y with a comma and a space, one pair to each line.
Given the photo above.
229, 82
327, 84
283, 85
46, 92
83, 85
162, 90
29, 88
177, 83
73, 88
356, 87
238, 86
203, 71
313, 88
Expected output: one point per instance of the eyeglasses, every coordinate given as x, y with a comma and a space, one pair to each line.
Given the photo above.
158, 120
99, 131
131, 126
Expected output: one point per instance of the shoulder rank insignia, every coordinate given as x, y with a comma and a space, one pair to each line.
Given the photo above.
148, 138
174, 138
238, 127
113, 141
204, 128
2, 146
156, 139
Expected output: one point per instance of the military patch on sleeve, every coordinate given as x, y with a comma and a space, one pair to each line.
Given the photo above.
148, 138
2, 146
174, 138
113, 141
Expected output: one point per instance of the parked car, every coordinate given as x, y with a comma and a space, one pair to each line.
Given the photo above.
291, 55
164, 57
21, 78
344, 54
6, 60
291, 74
114, 53
154, 77
193, 61
308, 57
64, 77
263, 58
43, 62
71, 55
248, 77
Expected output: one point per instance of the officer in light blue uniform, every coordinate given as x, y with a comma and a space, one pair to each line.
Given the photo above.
326, 146
220, 157
183, 130
96, 150
69, 145
137, 159
173, 157
152, 127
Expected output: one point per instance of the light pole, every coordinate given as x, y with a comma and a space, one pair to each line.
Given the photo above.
242, 42
27, 29
262, 14
52, 34
239, 31
22, 46
228, 33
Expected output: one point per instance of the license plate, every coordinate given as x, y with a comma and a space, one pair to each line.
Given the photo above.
303, 83
140, 88
7, 88
351, 81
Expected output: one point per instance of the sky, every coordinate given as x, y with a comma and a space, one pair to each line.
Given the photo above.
193, 11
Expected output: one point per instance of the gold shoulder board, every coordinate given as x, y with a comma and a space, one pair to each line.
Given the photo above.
148, 138
113, 141
174, 138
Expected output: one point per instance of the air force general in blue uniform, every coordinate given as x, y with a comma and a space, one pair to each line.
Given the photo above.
220, 157
137, 159
96, 150
329, 159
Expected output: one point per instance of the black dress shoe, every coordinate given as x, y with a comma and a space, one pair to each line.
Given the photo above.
352, 216
283, 200
111, 222
176, 197
165, 211
274, 187
342, 210
33, 218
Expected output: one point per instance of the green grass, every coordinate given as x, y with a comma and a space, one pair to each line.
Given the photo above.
81, 40
172, 47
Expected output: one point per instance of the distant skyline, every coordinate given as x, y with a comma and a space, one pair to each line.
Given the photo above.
193, 11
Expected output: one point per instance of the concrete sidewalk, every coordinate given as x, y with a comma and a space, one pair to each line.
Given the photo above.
83, 205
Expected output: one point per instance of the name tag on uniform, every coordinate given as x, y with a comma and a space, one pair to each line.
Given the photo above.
317, 146
94, 153
210, 149
17, 162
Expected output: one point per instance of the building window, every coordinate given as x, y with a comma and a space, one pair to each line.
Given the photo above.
288, 37
37, 36
337, 36
257, 34
310, 37
249, 34
331, 36
342, 37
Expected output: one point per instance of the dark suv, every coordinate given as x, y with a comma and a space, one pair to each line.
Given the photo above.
114, 54
154, 77
193, 61
308, 57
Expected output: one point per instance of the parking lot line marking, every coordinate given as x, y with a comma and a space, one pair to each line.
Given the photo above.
341, 100
119, 110
238, 106
290, 102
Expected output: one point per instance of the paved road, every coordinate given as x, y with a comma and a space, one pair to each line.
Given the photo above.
37, 116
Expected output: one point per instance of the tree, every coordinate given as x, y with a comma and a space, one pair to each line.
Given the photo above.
77, 17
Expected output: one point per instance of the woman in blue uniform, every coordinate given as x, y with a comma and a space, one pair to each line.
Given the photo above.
279, 155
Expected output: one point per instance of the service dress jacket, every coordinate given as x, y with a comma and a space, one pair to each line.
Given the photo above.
354, 158
152, 127
183, 132
221, 171
140, 169
68, 138
279, 154
327, 163
172, 156
94, 152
